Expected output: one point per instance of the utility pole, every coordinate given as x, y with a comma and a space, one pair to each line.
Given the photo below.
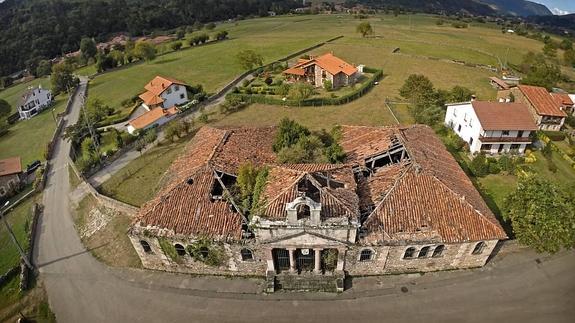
14, 240
90, 126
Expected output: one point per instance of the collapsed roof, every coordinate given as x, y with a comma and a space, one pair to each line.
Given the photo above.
395, 181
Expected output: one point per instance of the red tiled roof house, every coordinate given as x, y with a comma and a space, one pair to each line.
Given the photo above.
399, 203
316, 70
10, 176
547, 113
491, 127
164, 92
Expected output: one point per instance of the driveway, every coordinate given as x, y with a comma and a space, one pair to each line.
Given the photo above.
520, 286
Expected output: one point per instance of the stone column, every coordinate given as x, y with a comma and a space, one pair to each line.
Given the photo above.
270, 260
317, 258
291, 260
340, 259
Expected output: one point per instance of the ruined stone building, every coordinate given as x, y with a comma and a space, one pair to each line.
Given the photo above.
400, 203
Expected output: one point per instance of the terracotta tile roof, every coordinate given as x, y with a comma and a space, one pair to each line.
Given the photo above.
361, 142
562, 99
150, 98
245, 144
9, 166
295, 71
328, 62
503, 116
500, 82
160, 83
152, 116
542, 101
428, 192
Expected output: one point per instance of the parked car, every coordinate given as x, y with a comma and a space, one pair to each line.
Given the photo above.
33, 166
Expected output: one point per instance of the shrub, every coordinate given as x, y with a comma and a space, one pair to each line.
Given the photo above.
328, 85
268, 80
479, 166
209, 252
494, 167
555, 135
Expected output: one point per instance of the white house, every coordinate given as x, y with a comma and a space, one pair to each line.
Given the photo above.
491, 127
153, 118
33, 101
164, 92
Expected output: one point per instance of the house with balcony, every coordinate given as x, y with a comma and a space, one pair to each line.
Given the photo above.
492, 127
318, 69
33, 101
547, 113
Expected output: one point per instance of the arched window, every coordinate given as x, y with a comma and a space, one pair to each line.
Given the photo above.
180, 250
247, 254
146, 246
423, 252
204, 252
409, 252
303, 211
365, 255
438, 251
478, 248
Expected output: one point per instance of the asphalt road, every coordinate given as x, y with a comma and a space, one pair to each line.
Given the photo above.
80, 289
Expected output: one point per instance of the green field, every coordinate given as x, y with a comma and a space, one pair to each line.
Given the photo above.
420, 40
19, 219
12, 94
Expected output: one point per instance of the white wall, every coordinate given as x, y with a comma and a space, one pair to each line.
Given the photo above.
462, 119
39, 100
174, 97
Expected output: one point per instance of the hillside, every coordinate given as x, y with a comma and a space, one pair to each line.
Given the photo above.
556, 24
517, 7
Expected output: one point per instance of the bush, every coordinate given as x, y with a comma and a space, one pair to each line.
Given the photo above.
268, 80
555, 135
494, 167
479, 166
208, 252
328, 85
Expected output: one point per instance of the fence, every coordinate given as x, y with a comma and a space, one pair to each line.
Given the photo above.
265, 99
26, 272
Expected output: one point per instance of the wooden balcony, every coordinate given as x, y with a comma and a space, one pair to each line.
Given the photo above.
505, 139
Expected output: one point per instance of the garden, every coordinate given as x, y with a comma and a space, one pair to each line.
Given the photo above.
270, 86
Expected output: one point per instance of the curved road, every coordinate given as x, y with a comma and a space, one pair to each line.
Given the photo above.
80, 289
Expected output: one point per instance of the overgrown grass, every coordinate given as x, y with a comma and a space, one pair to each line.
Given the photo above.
19, 219
73, 178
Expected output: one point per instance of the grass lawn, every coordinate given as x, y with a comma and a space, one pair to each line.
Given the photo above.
28, 138
73, 178
143, 173
32, 303
110, 244
19, 219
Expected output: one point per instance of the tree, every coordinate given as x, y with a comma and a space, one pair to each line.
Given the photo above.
364, 29
308, 149
221, 35
4, 108
569, 57
539, 72
550, 50
289, 132
460, 94
88, 48
145, 50
542, 215
62, 79
249, 59
566, 44
300, 91
172, 131
246, 181
180, 33
210, 26
417, 88
328, 85
44, 68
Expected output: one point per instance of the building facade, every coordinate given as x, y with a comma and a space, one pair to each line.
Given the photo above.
164, 92
323, 68
546, 112
491, 127
33, 101
399, 203
10, 176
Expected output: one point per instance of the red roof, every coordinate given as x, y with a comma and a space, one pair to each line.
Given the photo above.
562, 99
152, 116
503, 116
328, 62
9, 166
160, 83
542, 101
499, 82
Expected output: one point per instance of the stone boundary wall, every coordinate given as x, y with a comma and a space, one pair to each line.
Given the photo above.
103, 199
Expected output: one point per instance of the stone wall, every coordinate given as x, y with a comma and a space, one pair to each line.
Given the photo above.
233, 264
375, 266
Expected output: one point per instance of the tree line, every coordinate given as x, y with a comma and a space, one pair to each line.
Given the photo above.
33, 30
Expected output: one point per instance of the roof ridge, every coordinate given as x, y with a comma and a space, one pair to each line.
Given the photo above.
285, 190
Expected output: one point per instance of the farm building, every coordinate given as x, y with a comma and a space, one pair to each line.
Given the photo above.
317, 70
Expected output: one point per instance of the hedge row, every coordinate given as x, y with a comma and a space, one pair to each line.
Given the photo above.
265, 99
545, 138
555, 135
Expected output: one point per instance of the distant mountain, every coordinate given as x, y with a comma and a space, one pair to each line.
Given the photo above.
556, 24
517, 7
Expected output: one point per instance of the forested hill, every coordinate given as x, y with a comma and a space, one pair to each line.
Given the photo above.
31, 30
